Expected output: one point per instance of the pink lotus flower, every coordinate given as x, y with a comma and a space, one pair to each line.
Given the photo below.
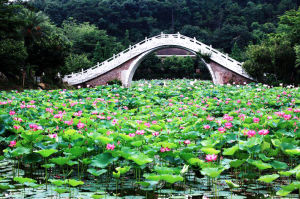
155, 133
18, 119
256, 120
210, 118
263, 132
101, 117
16, 127
94, 113
228, 125
287, 117
131, 134
140, 132
221, 130
58, 115
80, 125
279, 113
12, 143
108, 117
33, 126
79, 113
147, 124
169, 120
251, 133
53, 135
238, 101
154, 122
139, 121
114, 121
50, 110
210, 158
110, 147
12, 112
163, 149
228, 118
206, 126
187, 142
69, 122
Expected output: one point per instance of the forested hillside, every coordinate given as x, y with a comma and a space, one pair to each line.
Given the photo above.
41, 38
222, 23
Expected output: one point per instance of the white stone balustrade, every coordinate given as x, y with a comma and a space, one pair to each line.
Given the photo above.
156, 42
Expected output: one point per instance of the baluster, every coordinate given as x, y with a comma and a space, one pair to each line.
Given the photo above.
178, 35
145, 39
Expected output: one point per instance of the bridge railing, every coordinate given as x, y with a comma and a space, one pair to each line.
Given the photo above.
129, 53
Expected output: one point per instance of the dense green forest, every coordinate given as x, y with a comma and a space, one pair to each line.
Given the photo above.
44, 37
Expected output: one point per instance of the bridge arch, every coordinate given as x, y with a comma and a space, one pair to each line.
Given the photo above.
122, 66
127, 75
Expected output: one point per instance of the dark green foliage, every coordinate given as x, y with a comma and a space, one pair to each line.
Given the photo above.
75, 62
12, 55
171, 67
114, 82
276, 59
218, 22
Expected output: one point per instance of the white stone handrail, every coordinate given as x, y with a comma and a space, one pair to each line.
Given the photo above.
156, 42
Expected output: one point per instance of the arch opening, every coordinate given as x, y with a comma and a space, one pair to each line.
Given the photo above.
199, 69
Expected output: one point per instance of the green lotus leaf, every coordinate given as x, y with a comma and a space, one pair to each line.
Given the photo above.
22, 180
171, 178
47, 166
137, 143
60, 190
123, 170
230, 151
260, 164
74, 183
268, 178
293, 151
140, 158
104, 140
209, 150
96, 172
96, 196
5, 186
20, 151
103, 160
236, 163
57, 182
212, 171
279, 165
231, 184
46, 152
60, 160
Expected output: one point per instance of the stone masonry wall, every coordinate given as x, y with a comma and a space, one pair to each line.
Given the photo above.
224, 76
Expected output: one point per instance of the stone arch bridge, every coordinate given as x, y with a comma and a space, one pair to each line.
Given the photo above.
122, 66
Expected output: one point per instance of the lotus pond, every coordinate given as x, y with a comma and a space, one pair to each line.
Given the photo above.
157, 139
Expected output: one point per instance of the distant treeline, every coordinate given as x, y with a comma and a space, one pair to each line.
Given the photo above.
44, 37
